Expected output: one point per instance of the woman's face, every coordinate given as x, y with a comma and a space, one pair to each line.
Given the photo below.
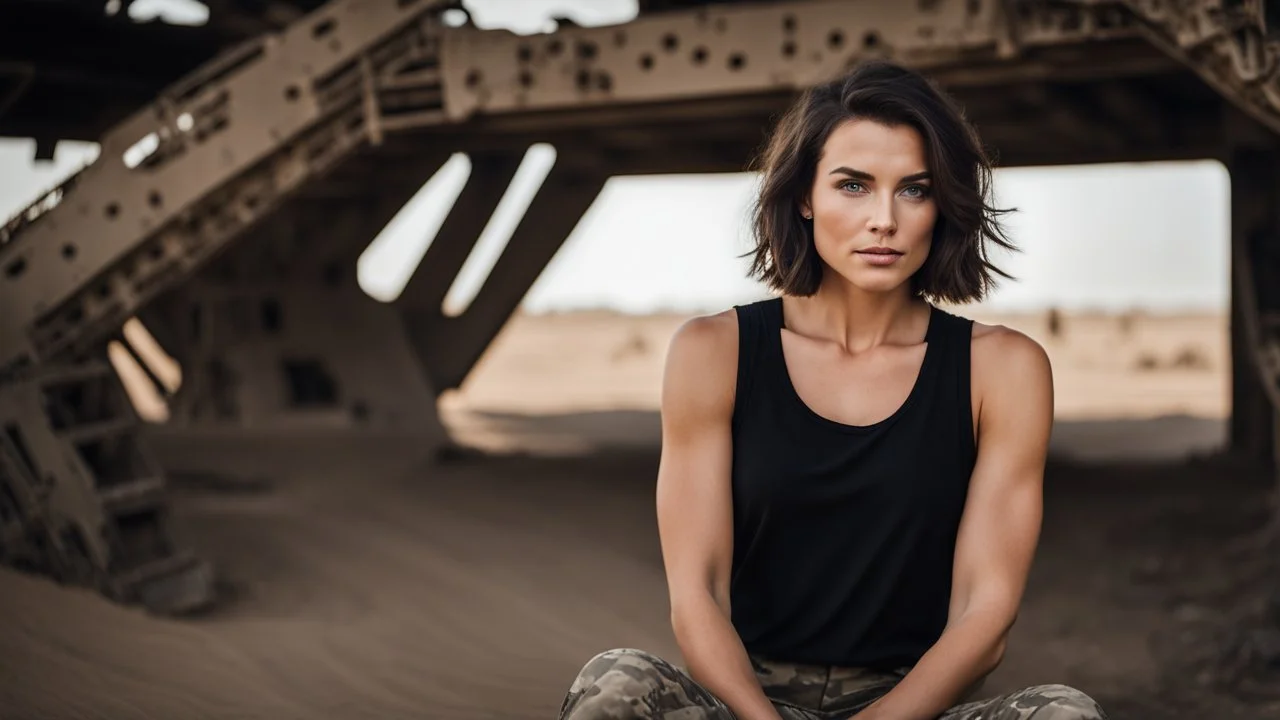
872, 205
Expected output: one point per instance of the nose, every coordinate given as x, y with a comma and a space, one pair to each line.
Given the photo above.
883, 221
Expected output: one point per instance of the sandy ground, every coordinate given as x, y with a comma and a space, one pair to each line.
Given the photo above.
365, 580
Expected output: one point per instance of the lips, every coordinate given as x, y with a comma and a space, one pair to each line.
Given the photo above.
879, 256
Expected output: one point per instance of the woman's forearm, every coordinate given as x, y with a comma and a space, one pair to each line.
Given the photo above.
716, 658
964, 654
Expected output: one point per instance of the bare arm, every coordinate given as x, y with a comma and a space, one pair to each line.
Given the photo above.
998, 532
695, 512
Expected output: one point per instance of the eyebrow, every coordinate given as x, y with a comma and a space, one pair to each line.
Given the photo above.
862, 175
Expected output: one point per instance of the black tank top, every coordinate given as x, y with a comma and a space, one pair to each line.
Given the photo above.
843, 535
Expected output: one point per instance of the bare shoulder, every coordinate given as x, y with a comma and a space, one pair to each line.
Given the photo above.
704, 340
998, 349
701, 369
1004, 357
708, 333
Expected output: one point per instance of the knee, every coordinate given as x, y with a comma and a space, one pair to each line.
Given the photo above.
1063, 702
637, 662
612, 684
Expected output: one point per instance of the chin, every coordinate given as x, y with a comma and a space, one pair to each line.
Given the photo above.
876, 281
879, 288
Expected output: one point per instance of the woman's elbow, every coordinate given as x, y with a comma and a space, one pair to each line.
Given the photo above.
996, 656
691, 609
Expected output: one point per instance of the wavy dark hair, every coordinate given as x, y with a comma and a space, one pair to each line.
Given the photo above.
958, 269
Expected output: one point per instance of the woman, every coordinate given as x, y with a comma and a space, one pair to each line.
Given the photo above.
850, 487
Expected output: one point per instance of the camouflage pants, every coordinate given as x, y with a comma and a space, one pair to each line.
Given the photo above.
630, 684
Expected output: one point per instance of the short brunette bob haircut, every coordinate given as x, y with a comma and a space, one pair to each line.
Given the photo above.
957, 269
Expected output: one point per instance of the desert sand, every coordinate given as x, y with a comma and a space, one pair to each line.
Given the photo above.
1131, 385
363, 579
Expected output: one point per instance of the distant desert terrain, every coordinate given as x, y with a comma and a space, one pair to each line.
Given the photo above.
1109, 371
363, 579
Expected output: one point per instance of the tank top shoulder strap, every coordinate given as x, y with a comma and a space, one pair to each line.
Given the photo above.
954, 332
758, 322
955, 338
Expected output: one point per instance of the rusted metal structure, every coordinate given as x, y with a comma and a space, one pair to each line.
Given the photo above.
240, 178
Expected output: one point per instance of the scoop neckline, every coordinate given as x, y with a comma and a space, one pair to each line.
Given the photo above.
930, 339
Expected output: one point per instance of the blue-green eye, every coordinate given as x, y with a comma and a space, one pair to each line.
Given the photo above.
916, 191
851, 186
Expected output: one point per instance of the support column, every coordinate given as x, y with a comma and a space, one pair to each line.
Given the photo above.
1255, 240
1255, 343
451, 346
491, 175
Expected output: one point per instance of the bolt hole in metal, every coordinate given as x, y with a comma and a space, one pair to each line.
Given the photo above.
670, 42
646, 62
69, 252
699, 55
737, 61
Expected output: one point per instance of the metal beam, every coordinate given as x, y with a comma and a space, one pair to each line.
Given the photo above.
718, 51
256, 124
454, 344
491, 174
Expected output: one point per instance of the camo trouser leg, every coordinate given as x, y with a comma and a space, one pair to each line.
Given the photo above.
1041, 702
630, 684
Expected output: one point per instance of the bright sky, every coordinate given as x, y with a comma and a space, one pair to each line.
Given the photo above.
1111, 237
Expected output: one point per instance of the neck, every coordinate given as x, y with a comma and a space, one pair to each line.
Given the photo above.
856, 319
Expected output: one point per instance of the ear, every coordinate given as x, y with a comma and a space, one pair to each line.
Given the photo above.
806, 209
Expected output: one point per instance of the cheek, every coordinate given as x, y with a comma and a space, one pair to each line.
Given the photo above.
923, 217
838, 223
918, 228
831, 223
